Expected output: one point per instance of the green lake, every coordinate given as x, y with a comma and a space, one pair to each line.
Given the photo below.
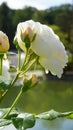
47, 95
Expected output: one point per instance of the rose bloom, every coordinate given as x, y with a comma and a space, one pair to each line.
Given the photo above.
4, 42
46, 44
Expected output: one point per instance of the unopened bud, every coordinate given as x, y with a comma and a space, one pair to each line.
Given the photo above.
4, 42
30, 81
34, 79
28, 31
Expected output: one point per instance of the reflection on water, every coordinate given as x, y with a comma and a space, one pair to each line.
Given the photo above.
58, 124
57, 95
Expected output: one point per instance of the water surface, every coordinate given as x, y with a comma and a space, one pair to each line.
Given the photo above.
57, 95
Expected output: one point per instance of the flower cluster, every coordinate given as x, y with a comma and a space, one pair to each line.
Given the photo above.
42, 40
41, 45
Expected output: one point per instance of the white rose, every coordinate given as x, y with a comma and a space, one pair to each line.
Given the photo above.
4, 42
47, 45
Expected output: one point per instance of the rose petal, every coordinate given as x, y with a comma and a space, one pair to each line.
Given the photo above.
52, 65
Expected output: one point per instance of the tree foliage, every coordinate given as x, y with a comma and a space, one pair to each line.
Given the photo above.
61, 17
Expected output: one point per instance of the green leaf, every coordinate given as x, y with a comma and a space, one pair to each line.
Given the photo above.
70, 116
14, 113
24, 121
4, 122
3, 111
4, 83
50, 115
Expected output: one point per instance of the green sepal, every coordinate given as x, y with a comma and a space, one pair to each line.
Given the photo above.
12, 69
16, 44
27, 42
31, 56
26, 85
34, 37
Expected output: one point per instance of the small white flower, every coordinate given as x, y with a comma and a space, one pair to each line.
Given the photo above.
47, 45
4, 42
